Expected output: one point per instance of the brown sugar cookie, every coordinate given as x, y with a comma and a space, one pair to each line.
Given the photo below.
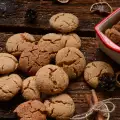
51, 42
94, 70
9, 86
113, 35
60, 107
17, 43
51, 79
32, 59
29, 89
8, 63
71, 60
64, 22
31, 110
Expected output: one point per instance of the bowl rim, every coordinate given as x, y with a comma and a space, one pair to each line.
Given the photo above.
112, 46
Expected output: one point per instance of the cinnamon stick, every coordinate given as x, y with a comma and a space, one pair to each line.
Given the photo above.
89, 100
95, 99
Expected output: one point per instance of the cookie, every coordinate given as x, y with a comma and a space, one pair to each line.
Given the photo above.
32, 59
72, 40
60, 107
8, 63
31, 110
71, 60
117, 26
17, 43
51, 79
94, 70
113, 35
64, 22
29, 89
9, 86
52, 43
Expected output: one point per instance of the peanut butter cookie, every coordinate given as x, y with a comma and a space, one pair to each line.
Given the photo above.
60, 107
17, 43
29, 89
94, 70
64, 22
51, 79
71, 60
8, 63
10, 85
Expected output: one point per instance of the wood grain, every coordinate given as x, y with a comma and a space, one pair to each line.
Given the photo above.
45, 9
78, 88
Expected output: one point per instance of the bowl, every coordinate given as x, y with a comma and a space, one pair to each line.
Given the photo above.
105, 44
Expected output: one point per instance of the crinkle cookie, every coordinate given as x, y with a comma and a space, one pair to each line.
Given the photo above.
8, 63
71, 60
52, 42
29, 89
9, 86
64, 22
94, 70
32, 59
72, 40
19, 42
31, 110
51, 79
60, 107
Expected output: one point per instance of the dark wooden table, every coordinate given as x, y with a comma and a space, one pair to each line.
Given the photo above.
14, 22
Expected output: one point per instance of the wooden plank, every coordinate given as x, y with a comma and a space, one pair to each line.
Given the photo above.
77, 89
45, 9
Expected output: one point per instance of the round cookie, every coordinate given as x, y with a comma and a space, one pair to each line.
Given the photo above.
60, 107
29, 89
10, 85
64, 22
32, 59
52, 43
71, 60
31, 110
72, 40
8, 63
94, 70
51, 79
17, 43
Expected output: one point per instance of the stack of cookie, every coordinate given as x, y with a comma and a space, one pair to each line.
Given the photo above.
35, 59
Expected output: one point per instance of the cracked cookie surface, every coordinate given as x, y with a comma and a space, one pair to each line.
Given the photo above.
32, 59
8, 63
9, 86
64, 22
31, 110
17, 43
51, 79
61, 107
29, 89
52, 43
71, 60
94, 70
72, 40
